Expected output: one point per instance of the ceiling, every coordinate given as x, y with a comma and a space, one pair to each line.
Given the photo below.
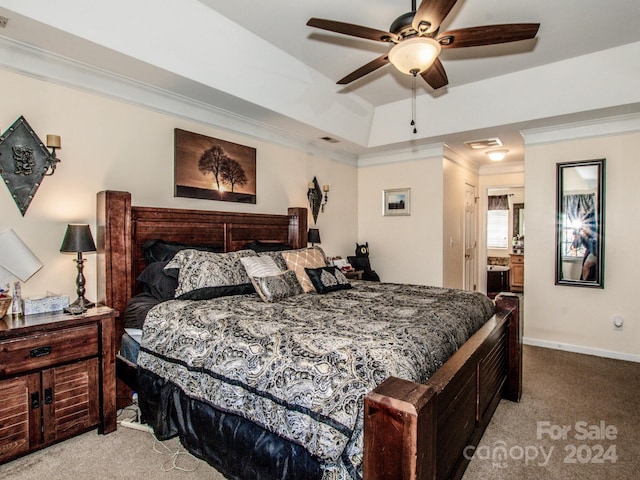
569, 28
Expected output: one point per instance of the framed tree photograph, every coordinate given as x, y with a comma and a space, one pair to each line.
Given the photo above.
212, 169
396, 201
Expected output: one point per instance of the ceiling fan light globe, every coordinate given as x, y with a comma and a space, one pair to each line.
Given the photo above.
414, 55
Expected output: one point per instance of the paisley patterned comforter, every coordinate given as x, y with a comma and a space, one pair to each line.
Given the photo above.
300, 367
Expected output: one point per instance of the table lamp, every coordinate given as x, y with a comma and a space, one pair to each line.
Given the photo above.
78, 239
314, 236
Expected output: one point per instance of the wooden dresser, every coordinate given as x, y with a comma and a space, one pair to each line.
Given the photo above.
517, 272
57, 378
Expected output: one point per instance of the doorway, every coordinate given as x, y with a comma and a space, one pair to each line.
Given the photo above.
470, 240
501, 270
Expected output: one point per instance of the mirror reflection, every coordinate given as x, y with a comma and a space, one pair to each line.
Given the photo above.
518, 227
580, 234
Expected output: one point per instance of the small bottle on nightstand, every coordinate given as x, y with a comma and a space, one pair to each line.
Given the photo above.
16, 303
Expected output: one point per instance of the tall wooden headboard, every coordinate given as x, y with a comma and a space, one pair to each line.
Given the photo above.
123, 229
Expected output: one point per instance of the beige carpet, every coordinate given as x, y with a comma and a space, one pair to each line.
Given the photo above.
580, 392
559, 388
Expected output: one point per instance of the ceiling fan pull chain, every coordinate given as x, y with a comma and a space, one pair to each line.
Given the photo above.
413, 102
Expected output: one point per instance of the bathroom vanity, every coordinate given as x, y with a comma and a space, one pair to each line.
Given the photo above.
517, 272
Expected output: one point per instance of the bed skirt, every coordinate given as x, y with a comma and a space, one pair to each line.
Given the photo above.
236, 447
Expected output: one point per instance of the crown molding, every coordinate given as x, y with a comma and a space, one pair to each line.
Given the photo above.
48, 67
500, 169
454, 156
401, 155
615, 125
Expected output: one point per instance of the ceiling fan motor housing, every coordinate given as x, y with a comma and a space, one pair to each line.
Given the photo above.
401, 26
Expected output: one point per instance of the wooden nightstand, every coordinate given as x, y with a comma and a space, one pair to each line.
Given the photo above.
354, 274
57, 378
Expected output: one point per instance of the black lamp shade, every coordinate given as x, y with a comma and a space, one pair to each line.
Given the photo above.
314, 235
78, 239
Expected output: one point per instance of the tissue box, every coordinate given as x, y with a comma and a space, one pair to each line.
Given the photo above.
50, 303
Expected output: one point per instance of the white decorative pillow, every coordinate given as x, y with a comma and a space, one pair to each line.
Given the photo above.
199, 269
276, 287
260, 266
298, 260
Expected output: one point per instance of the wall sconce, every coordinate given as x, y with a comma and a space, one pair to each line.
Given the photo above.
315, 197
78, 239
325, 189
25, 160
53, 142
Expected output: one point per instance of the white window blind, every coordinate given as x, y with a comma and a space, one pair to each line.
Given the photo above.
498, 229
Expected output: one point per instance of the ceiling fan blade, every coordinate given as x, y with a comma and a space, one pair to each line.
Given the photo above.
488, 35
365, 69
435, 75
353, 30
431, 12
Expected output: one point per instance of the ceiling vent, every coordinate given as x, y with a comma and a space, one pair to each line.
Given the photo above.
329, 139
485, 143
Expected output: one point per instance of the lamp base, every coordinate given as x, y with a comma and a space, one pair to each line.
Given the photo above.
80, 305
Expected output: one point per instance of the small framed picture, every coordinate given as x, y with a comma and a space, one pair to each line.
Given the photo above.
396, 201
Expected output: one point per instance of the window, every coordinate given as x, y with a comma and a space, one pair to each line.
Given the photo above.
498, 222
498, 229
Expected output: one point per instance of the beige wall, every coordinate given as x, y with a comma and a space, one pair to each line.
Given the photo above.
404, 249
576, 318
107, 144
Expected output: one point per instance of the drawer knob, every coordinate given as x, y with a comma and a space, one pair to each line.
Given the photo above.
40, 352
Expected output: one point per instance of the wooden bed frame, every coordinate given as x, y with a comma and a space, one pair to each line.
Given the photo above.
412, 431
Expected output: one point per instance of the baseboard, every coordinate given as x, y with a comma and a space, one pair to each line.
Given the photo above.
580, 349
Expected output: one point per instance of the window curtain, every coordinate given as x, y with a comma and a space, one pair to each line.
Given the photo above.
498, 202
580, 210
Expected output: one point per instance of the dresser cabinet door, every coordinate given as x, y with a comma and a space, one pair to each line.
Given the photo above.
70, 399
20, 419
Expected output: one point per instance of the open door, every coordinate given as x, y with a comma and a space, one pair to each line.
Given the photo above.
470, 243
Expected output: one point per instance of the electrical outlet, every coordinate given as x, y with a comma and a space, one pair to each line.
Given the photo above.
618, 322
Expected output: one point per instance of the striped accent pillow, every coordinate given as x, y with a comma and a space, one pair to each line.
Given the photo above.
260, 266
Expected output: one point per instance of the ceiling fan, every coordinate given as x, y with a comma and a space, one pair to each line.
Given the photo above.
417, 40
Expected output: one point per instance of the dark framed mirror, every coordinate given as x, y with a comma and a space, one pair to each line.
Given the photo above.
518, 227
580, 223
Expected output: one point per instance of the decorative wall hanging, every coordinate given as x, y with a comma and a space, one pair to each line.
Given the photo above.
314, 195
396, 201
24, 161
212, 169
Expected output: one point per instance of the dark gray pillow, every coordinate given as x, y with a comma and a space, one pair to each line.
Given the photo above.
162, 251
158, 282
258, 246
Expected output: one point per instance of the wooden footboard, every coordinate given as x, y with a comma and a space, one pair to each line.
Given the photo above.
422, 431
